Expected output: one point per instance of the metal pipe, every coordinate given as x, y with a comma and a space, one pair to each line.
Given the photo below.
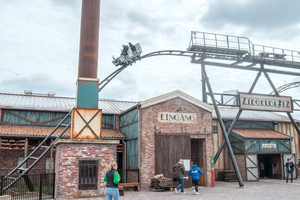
204, 96
224, 131
89, 34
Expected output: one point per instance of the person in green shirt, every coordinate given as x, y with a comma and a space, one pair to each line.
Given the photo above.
112, 178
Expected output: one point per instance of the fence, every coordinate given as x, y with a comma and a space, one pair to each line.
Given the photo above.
31, 186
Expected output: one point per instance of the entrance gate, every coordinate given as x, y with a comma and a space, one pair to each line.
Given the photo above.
169, 149
251, 167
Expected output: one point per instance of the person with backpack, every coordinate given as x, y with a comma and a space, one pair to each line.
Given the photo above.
194, 172
180, 170
289, 169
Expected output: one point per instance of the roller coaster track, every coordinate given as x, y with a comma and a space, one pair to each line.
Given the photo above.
201, 56
286, 87
105, 81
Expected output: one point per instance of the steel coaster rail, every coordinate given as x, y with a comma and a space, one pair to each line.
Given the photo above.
105, 81
30, 156
202, 56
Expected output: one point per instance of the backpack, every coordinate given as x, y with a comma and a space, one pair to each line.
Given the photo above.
288, 168
175, 177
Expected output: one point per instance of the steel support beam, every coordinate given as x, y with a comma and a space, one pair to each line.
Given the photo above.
228, 134
277, 93
223, 130
236, 118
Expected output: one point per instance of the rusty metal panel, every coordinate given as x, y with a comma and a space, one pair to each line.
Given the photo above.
86, 124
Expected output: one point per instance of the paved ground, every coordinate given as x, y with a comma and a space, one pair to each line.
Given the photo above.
264, 189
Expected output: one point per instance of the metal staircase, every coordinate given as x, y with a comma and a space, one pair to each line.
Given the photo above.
9, 181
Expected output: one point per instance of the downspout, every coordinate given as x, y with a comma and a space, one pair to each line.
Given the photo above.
125, 164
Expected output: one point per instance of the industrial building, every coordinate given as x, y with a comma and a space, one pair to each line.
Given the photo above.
149, 136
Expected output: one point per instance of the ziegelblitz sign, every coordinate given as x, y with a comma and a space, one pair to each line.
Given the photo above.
266, 103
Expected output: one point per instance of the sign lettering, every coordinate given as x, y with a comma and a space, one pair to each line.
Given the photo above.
264, 102
166, 117
268, 146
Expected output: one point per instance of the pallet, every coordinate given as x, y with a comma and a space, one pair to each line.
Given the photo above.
159, 185
136, 186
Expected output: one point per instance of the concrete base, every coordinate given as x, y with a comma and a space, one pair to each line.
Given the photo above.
5, 197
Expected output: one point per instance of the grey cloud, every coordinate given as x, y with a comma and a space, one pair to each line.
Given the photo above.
267, 15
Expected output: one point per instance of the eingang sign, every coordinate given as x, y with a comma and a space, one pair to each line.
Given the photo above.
265, 103
187, 118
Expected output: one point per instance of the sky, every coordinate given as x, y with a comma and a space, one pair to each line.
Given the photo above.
39, 44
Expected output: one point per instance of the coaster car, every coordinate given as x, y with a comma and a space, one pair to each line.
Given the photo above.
129, 55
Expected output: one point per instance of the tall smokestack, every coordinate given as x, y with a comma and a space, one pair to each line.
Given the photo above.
87, 83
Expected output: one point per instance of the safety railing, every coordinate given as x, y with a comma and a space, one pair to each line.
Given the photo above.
258, 52
30, 186
220, 41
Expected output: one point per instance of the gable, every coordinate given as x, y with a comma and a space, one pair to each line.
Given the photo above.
175, 94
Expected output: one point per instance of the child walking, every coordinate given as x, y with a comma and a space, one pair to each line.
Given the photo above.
194, 172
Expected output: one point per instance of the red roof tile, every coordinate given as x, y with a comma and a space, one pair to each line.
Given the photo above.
45, 131
111, 133
31, 131
250, 133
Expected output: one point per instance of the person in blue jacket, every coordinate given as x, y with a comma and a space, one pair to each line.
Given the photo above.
194, 172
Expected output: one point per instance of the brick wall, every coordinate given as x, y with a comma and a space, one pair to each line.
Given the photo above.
241, 163
148, 120
67, 167
9, 159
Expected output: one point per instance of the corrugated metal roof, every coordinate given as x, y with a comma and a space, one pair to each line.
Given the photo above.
60, 104
261, 134
250, 115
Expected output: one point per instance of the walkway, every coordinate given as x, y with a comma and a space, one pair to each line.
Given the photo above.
264, 189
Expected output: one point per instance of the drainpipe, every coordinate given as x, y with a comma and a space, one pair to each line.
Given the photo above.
125, 164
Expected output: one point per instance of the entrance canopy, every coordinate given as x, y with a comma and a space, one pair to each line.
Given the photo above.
247, 141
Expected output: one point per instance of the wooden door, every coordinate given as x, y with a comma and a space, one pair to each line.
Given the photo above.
169, 150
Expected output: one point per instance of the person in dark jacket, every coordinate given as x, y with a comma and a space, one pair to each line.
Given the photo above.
112, 178
124, 51
132, 47
194, 172
289, 169
179, 168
